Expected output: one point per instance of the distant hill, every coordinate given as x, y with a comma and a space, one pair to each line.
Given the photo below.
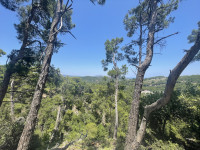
90, 79
152, 84
158, 83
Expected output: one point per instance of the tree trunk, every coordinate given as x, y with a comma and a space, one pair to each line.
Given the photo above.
9, 68
4, 86
116, 99
116, 114
140, 41
134, 112
12, 114
103, 121
35, 105
171, 81
58, 119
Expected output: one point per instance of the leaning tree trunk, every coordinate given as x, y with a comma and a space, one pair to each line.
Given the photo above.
9, 68
116, 114
134, 112
171, 81
35, 105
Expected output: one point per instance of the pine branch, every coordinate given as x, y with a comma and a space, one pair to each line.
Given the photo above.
70, 33
30, 43
165, 38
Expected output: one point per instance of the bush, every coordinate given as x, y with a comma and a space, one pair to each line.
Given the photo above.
160, 145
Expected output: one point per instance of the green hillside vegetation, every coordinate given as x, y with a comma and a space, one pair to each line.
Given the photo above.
158, 83
91, 79
86, 117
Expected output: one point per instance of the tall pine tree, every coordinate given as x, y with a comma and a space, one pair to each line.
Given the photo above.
113, 56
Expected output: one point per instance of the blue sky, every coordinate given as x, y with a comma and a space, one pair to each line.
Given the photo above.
95, 24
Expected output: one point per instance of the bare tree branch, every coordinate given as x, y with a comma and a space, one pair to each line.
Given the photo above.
67, 8
165, 37
30, 43
70, 33
133, 71
36, 29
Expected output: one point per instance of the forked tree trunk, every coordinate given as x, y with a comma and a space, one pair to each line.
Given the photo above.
9, 69
171, 81
134, 112
35, 105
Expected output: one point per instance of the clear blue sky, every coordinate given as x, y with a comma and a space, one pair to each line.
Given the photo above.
95, 24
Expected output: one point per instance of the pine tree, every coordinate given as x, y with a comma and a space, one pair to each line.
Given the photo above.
113, 56
150, 17
31, 18
58, 24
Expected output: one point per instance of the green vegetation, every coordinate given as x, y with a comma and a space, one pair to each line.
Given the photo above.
88, 112
158, 83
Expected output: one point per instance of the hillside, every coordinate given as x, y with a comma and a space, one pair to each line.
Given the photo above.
158, 83
92, 79
153, 83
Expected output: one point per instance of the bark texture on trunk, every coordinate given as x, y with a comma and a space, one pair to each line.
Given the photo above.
12, 114
134, 112
116, 101
140, 42
9, 68
116, 114
35, 105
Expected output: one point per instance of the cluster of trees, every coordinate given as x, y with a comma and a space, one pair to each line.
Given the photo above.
72, 110
78, 114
